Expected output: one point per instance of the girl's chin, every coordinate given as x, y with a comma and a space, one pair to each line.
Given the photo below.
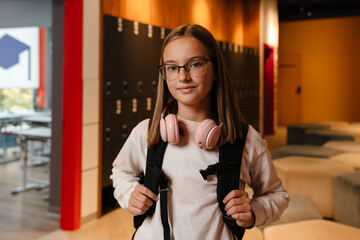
188, 102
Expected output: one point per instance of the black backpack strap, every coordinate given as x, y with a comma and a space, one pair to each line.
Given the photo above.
228, 180
228, 172
154, 178
164, 189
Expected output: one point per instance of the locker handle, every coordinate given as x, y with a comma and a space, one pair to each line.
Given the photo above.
125, 87
108, 88
140, 86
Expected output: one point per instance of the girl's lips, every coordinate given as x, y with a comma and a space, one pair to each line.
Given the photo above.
187, 89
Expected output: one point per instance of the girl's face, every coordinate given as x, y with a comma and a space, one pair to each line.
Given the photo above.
189, 91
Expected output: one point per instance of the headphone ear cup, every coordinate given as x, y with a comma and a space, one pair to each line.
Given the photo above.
169, 129
207, 134
213, 137
163, 133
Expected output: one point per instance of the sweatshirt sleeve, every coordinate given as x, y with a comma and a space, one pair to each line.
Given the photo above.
270, 198
129, 164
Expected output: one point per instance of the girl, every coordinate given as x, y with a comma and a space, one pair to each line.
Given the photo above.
194, 86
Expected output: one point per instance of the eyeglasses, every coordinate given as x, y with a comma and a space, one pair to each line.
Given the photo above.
195, 68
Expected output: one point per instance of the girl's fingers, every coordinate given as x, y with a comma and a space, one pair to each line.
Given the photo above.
135, 211
141, 200
238, 206
238, 199
147, 192
246, 208
234, 194
140, 204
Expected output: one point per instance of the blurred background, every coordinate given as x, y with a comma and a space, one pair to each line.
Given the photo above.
71, 91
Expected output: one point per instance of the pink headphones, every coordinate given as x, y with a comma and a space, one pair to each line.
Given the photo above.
206, 136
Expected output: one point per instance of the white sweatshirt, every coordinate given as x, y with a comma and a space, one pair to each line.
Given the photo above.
192, 201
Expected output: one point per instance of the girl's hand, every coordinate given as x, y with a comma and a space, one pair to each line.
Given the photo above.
141, 200
238, 206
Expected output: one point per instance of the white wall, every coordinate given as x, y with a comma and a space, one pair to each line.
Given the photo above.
91, 105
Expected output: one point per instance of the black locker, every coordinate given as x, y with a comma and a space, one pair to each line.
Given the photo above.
130, 76
243, 67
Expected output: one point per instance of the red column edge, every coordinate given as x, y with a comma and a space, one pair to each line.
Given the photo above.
70, 213
40, 96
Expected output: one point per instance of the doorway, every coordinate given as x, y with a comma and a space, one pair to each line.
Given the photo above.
289, 89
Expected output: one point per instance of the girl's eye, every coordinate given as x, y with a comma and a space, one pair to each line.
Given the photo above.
171, 68
196, 64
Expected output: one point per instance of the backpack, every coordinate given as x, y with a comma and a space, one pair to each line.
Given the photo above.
227, 169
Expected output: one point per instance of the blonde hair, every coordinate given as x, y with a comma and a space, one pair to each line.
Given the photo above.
224, 97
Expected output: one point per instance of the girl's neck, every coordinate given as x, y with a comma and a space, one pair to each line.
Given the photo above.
198, 111
194, 114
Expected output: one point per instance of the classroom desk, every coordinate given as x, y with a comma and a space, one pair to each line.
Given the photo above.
39, 134
42, 120
10, 117
6, 119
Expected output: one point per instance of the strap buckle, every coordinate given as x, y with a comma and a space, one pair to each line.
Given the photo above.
210, 170
166, 189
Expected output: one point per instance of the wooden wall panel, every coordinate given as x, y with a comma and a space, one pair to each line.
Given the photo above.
230, 21
251, 23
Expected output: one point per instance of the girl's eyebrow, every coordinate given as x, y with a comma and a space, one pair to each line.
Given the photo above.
189, 60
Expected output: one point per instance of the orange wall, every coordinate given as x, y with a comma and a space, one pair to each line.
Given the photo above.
231, 21
330, 66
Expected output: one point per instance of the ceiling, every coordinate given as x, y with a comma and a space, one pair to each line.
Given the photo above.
290, 10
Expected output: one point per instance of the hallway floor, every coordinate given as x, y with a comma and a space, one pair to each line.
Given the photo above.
24, 215
115, 225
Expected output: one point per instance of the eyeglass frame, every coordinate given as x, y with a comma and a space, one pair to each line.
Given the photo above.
183, 66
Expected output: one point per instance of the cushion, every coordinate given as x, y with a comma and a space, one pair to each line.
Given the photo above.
296, 132
352, 129
349, 159
311, 177
346, 195
300, 208
253, 234
312, 230
343, 146
320, 136
303, 150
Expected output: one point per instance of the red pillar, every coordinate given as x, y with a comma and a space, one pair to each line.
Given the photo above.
72, 116
40, 98
268, 89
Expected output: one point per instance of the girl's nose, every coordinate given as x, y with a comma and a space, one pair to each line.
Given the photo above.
183, 75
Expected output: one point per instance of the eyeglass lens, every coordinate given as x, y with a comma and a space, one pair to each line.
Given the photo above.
195, 68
